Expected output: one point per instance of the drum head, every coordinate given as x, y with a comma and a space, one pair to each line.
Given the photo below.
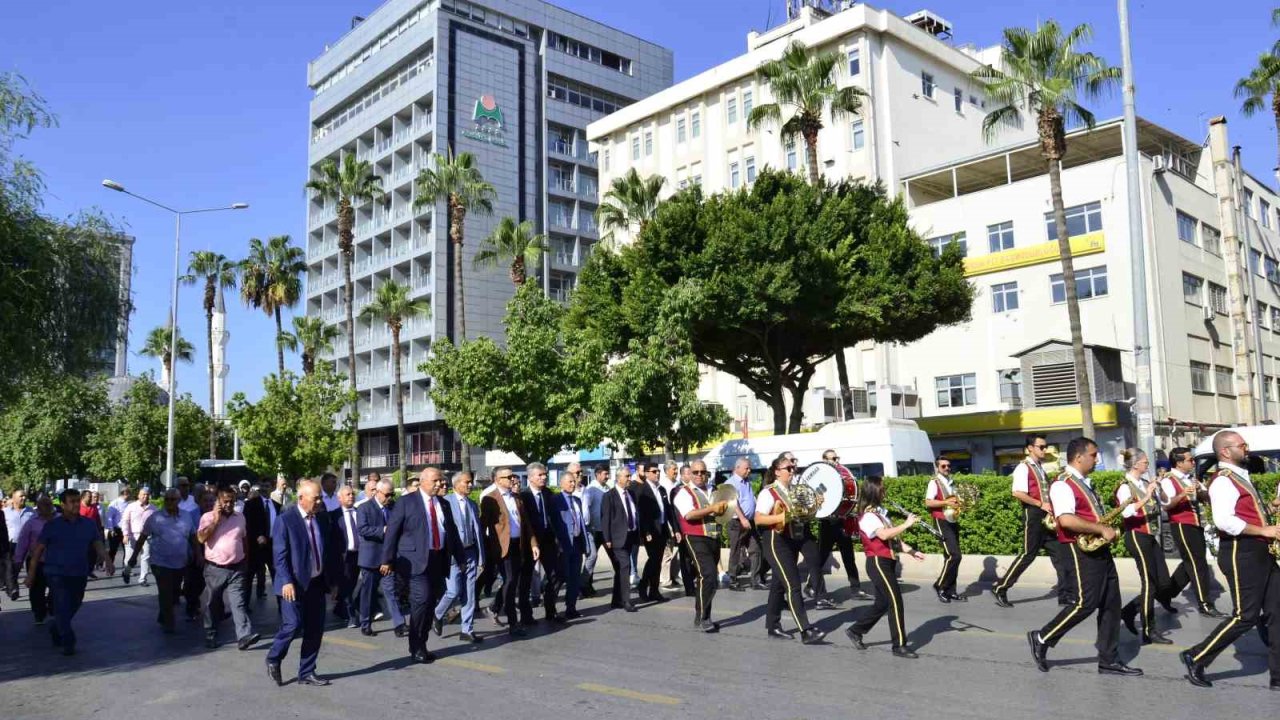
827, 482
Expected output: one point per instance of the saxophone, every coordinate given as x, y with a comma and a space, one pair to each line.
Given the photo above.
1113, 518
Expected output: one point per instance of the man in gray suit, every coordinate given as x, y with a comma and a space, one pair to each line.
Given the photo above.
592, 498
461, 583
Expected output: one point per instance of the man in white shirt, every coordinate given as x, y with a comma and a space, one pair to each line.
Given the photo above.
111, 521
329, 491
1181, 496
1030, 487
939, 497
670, 554
188, 503
135, 516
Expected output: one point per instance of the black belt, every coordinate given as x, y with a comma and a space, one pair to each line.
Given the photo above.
232, 566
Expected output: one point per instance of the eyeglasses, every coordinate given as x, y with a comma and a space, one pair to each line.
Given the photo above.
700, 472
652, 470
784, 467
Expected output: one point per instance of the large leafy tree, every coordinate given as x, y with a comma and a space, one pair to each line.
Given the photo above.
311, 337
515, 244
158, 346
217, 273
271, 280
44, 433
130, 443
1044, 73
352, 182
629, 204
392, 305
772, 278
290, 429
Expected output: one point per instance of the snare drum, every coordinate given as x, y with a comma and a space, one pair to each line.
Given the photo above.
837, 487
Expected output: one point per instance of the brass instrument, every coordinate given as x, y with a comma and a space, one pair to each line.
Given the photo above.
1049, 521
905, 512
803, 502
1113, 518
966, 496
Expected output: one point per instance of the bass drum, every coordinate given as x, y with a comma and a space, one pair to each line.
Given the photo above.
835, 485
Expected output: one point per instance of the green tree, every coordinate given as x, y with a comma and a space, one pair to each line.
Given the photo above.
129, 444
353, 182
1045, 74
312, 337
159, 344
392, 305
44, 432
629, 204
271, 280
528, 398
1261, 88
218, 273
514, 243
290, 429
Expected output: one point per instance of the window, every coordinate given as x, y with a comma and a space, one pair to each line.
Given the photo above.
1004, 297
1255, 261
648, 143
591, 98
1090, 282
747, 104
859, 135
1263, 316
1010, 386
1192, 289
680, 130
734, 177
1187, 228
1270, 269
731, 110
1248, 202
1081, 219
942, 241
695, 124
751, 169
1264, 213
696, 180
926, 84
959, 100
1223, 382
957, 390
1211, 239
1267, 393
1218, 298
1000, 236
792, 157
855, 62
635, 147
1200, 377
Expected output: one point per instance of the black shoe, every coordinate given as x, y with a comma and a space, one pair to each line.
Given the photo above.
1118, 668
313, 679
1156, 638
708, 626
557, 619
499, 620
780, 634
955, 597
808, 592
470, 638
630, 607
1127, 616
617, 605
1002, 599
528, 622
352, 624
1195, 671
903, 651
423, 657
438, 626
861, 595
658, 598
1167, 604
588, 592
1039, 651
1208, 610
812, 636
211, 643
1275, 684
367, 631
273, 672
1066, 602
572, 614
517, 631
825, 604
942, 597
247, 641
401, 630
855, 638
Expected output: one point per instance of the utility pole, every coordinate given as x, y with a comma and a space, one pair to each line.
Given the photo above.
1252, 309
1146, 439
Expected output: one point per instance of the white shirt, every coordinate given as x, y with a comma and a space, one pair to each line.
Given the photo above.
1022, 478
870, 522
630, 507
764, 500
349, 519
509, 499
313, 533
1223, 495
930, 492
1170, 489
539, 505
111, 519
330, 501
684, 500
1063, 497
667, 485
436, 518
656, 489
1123, 493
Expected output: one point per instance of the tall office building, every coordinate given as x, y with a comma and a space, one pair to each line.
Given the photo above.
514, 83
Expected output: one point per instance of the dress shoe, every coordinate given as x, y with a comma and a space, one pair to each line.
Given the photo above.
942, 597
1066, 601
352, 624
736, 587
1128, 615
808, 592
588, 592
1002, 599
812, 636
557, 619
1118, 668
438, 626
1167, 604
528, 622
956, 597
401, 630
367, 631
855, 638
273, 672
1208, 610
630, 607
1039, 651
423, 657
498, 619
780, 634
211, 643
572, 614
247, 641
470, 638
617, 605
517, 631
825, 604
903, 651
658, 598
1275, 684
862, 595
1195, 671
1156, 638
313, 679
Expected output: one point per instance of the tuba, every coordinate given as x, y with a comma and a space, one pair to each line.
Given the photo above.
1113, 518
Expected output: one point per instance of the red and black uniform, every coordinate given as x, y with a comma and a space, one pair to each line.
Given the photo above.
1188, 537
835, 532
881, 568
1142, 540
782, 543
940, 488
1029, 478
702, 546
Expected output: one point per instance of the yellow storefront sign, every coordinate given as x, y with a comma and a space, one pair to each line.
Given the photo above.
1018, 421
1087, 244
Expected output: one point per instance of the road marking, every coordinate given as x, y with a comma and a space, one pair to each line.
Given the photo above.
630, 694
459, 662
351, 643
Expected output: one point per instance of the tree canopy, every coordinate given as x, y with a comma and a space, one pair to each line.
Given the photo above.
130, 442
291, 428
44, 432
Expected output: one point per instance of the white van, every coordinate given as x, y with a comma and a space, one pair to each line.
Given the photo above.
887, 448
1264, 449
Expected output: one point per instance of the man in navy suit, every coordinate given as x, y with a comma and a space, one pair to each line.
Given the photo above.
571, 536
543, 523
347, 536
372, 517
461, 584
307, 567
620, 534
421, 543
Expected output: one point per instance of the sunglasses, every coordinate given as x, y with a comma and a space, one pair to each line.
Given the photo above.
1040, 447
700, 472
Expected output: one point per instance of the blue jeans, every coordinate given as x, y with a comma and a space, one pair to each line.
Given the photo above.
68, 593
461, 585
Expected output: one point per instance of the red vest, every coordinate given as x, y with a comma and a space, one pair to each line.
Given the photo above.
874, 546
1184, 512
938, 494
1145, 517
694, 528
1248, 505
1035, 478
1086, 507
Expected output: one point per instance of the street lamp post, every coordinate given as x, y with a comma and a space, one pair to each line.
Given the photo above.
173, 307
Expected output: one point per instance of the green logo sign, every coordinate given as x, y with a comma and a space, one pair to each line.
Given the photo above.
490, 126
487, 110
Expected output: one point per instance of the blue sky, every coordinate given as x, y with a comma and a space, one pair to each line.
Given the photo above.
205, 104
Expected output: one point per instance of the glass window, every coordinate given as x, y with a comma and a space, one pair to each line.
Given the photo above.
1275, 319
734, 177
1200, 377
1187, 228
959, 99
648, 143
1218, 298
926, 84
855, 62
1010, 385
957, 390
792, 157
1004, 297
1212, 239
635, 147
751, 170
1192, 289
695, 124
747, 104
680, 130
1090, 282
859, 135
1255, 261
1264, 213
1081, 219
1000, 236
1270, 270
1223, 380
1263, 315
942, 241
1248, 202
731, 110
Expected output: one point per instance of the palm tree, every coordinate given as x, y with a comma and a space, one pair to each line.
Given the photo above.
515, 243
271, 280
157, 346
354, 182
1261, 89
804, 82
1044, 74
630, 203
392, 305
218, 273
313, 335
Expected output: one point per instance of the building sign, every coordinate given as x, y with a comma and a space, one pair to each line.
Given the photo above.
489, 125
1087, 244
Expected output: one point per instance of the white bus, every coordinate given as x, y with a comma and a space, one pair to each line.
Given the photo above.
887, 448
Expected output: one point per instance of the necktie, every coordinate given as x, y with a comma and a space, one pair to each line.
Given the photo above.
631, 515
315, 546
351, 529
464, 524
541, 513
435, 527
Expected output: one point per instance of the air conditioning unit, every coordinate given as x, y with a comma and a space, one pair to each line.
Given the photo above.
1159, 164
1208, 312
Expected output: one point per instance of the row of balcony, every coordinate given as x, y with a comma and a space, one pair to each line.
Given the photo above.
402, 136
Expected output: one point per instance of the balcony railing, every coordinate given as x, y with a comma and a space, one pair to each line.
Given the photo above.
323, 216
324, 249
563, 184
561, 146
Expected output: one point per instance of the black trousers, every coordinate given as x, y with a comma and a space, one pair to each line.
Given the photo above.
946, 581
193, 588
744, 552
168, 585
115, 539
651, 574
424, 590
511, 568
1097, 588
39, 596
704, 553
1035, 537
259, 563
348, 585
831, 535
1254, 582
549, 560
883, 574
1194, 570
620, 557
1148, 556
782, 553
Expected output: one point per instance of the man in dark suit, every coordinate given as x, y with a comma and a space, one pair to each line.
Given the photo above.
655, 518
421, 544
347, 536
543, 522
372, 517
509, 541
307, 567
259, 518
618, 528
572, 540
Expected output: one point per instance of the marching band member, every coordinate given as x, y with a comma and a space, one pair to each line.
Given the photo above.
1078, 510
831, 534
782, 539
879, 538
1246, 537
938, 496
1031, 489
695, 512
1183, 493
1141, 530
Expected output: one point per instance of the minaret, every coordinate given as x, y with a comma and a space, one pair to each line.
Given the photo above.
220, 367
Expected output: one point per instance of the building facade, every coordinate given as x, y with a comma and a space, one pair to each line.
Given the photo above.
515, 84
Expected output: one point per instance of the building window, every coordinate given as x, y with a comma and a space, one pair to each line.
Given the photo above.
1223, 382
1267, 393
696, 180
1270, 269
957, 390
648, 143
680, 130
1200, 377
1218, 298
1010, 386
731, 110
734, 176
942, 241
1081, 219
1211, 239
747, 104
1004, 297
751, 169
855, 62
1187, 228
1275, 319
926, 84
1192, 289
1000, 236
635, 147
959, 100
1255, 261
1090, 282
1263, 316
792, 157
695, 124
1248, 202
859, 135
1264, 213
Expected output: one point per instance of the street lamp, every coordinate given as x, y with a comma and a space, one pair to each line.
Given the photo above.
173, 309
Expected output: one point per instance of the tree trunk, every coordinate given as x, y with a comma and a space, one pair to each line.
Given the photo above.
279, 347
345, 220
778, 404
797, 400
208, 332
308, 362
1083, 389
395, 358
668, 449
518, 275
846, 394
458, 216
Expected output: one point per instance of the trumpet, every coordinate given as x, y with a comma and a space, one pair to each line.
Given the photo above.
1113, 518
905, 512
966, 499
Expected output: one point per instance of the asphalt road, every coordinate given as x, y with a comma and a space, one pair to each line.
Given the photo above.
974, 662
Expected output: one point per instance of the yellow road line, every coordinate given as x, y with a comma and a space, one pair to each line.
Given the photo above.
350, 643
630, 694
459, 662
